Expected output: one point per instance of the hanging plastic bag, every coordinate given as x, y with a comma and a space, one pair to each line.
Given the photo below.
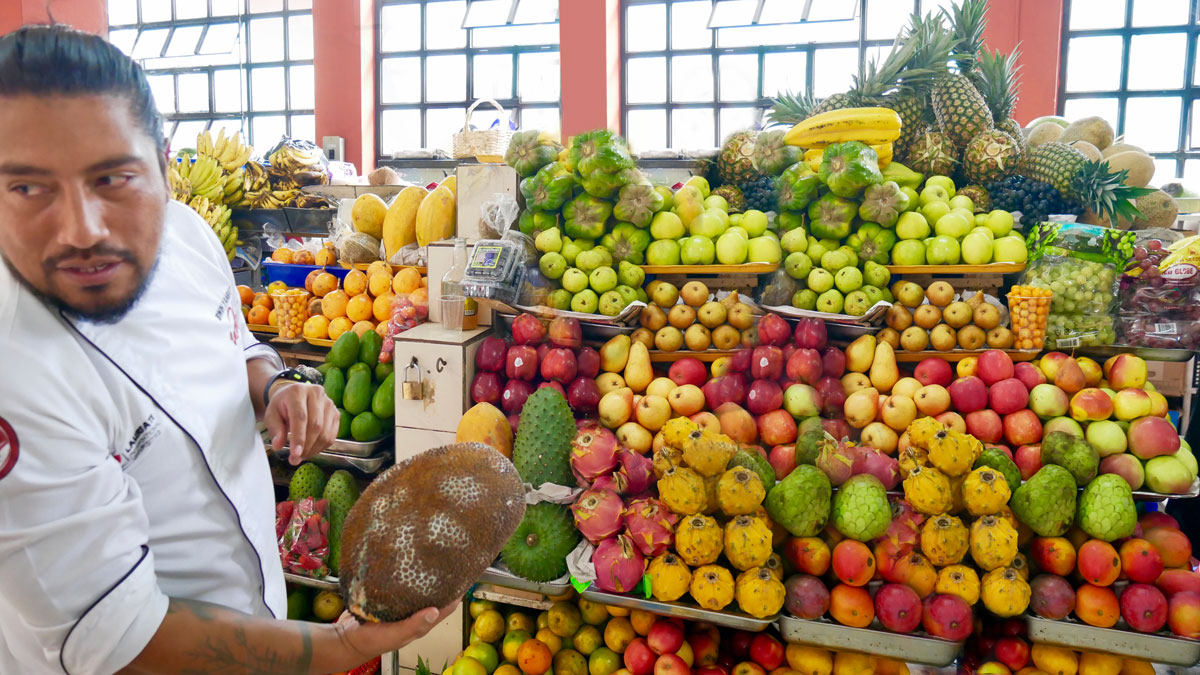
1160, 292
304, 542
497, 215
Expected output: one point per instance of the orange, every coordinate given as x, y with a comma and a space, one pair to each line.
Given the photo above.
419, 296
276, 287
383, 306
362, 328
303, 258
338, 326
282, 254
382, 329
263, 300
355, 282
642, 621
359, 307
316, 327
308, 280
324, 284
272, 319
334, 304
533, 657
377, 267
258, 315
246, 294
406, 280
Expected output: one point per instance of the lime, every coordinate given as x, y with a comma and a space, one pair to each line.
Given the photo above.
485, 654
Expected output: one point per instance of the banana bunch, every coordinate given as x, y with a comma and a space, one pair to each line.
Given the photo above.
230, 153
271, 199
206, 176
254, 183
181, 188
873, 126
217, 215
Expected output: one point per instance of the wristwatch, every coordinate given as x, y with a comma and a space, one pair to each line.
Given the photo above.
290, 375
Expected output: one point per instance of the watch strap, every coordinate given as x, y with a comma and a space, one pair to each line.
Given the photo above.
288, 374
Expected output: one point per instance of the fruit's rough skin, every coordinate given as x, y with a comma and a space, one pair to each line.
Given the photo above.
801, 501
308, 481
1106, 509
944, 540
756, 463
699, 540
538, 549
759, 593
1046, 502
860, 508
996, 459
747, 542
425, 529
1073, 454
541, 451
340, 494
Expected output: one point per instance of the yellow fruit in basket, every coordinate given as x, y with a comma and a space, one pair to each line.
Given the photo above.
303, 258
361, 328
382, 307
333, 305
377, 267
359, 308
327, 256
355, 282
406, 280
324, 284
316, 327
338, 326
380, 283
276, 287
282, 254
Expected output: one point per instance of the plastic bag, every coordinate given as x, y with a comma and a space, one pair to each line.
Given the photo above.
304, 540
352, 246
1160, 292
778, 289
497, 215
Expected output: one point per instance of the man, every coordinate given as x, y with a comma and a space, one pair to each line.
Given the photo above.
136, 507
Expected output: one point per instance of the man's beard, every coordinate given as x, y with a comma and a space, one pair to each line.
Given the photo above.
104, 314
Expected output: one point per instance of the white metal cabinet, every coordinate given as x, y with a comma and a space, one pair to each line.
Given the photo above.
445, 360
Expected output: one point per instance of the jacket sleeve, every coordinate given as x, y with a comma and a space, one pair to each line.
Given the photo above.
76, 573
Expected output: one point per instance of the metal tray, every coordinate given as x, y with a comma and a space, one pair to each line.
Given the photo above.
726, 618
498, 575
627, 317
1147, 353
326, 584
359, 448
1158, 648
592, 330
917, 648
873, 317
339, 461
1147, 496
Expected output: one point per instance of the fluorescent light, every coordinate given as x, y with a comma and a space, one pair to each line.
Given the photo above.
536, 11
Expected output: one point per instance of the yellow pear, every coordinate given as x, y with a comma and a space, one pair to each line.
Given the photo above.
860, 354
638, 371
614, 354
861, 407
852, 382
884, 373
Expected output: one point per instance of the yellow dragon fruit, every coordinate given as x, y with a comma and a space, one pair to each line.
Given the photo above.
775, 565
921, 431
676, 431
928, 490
985, 492
759, 593
959, 580
993, 542
739, 491
1006, 513
683, 491
1020, 563
711, 508
956, 494
699, 540
779, 533
707, 453
666, 457
911, 457
669, 577
953, 452
945, 540
747, 542
712, 587
1004, 592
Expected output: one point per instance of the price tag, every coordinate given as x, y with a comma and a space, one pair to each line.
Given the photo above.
1070, 342
646, 586
1166, 328
580, 586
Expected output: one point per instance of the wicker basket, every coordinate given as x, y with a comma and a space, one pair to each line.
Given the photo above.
486, 142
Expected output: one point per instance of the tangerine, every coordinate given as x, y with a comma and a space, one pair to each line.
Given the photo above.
355, 282
246, 294
258, 315
361, 328
379, 284
533, 657
406, 280
377, 267
333, 305
324, 284
383, 306
338, 326
282, 254
262, 300
316, 327
359, 308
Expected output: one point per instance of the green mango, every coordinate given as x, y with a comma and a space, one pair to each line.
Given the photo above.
323, 368
358, 368
383, 403
366, 427
383, 370
344, 351
335, 385
358, 393
344, 424
369, 345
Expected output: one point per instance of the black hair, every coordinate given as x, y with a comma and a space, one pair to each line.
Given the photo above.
59, 60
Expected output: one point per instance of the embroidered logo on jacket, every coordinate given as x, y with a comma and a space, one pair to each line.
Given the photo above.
9, 448
145, 434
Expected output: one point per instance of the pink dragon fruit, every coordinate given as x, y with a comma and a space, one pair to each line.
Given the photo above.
608, 482
651, 526
879, 465
904, 532
619, 565
837, 461
593, 453
598, 514
636, 474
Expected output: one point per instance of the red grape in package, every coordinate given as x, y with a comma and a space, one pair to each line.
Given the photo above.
1160, 295
303, 537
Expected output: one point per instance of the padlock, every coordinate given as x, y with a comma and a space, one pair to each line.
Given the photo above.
412, 391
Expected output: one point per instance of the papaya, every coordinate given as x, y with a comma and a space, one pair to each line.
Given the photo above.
344, 351
369, 346
344, 424
358, 393
366, 427
383, 370
485, 423
358, 368
400, 223
335, 385
436, 216
383, 403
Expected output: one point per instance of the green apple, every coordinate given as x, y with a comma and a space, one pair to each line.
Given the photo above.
805, 298
967, 214
874, 295
706, 225
830, 301
980, 219
641, 295
585, 301
560, 298
794, 241
962, 202
943, 250
755, 222
570, 250
848, 279
875, 274
697, 250
982, 230
663, 252
909, 252
850, 254
574, 280
700, 183
630, 275
611, 303
914, 199
549, 240
628, 293
765, 249
977, 249
603, 279
589, 260
820, 280
732, 248
835, 260
716, 202
721, 215
942, 181
1000, 222
912, 225
1009, 249
934, 193
935, 210
738, 230
552, 264
735, 219
952, 225
668, 196
689, 203
797, 265
857, 303
666, 225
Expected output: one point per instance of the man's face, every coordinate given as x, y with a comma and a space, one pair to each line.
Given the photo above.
82, 196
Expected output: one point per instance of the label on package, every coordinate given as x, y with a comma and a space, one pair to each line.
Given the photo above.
1070, 342
1166, 329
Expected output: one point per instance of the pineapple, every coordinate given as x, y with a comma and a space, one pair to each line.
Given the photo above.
1101, 190
734, 165
1054, 163
833, 102
969, 21
932, 153
997, 81
991, 156
959, 108
933, 42
790, 108
733, 196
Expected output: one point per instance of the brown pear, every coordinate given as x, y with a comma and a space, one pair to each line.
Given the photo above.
644, 336
986, 316
914, 339
890, 336
653, 317
971, 337
697, 337
898, 317
681, 316
957, 314
943, 338
1000, 338
927, 316
940, 293
726, 337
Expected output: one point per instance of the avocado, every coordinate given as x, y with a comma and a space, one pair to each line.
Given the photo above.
369, 345
335, 385
357, 398
358, 368
366, 427
344, 352
383, 403
344, 424
324, 368
383, 370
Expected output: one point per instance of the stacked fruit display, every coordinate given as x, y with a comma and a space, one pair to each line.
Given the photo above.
1003, 648
210, 179
947, 229
363, 388
362, 302
834, 277
932, 318
590, 280
691, 317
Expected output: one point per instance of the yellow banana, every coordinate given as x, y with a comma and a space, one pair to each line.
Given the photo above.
813, 159
873, 126
884, 151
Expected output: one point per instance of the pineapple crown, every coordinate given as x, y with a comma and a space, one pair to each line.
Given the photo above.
875, 79
933, 42
969, 20
997, 80
790, 108
1104, 192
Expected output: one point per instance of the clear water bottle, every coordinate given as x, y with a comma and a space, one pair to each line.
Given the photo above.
458, 311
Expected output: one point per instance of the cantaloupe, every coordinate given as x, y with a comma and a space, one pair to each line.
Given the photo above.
1119, 147
1088, 149
1139, 165
485, 423
1043, 133
1095, 130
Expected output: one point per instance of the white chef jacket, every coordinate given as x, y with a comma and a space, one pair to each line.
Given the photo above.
131, 470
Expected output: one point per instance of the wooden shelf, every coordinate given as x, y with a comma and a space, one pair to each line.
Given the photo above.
990, 268
365, 266
744, 268
708, 355
959, 354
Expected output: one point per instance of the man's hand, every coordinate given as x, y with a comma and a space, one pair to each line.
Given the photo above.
303, 417
371, 639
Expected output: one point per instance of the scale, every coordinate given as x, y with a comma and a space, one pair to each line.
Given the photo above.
495, 271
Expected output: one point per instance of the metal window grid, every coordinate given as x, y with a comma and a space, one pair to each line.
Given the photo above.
512, 105
1188, 93
243, 66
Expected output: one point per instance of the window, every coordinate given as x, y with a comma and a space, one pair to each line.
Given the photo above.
242, 65
431, 69
687, 86
1133, 62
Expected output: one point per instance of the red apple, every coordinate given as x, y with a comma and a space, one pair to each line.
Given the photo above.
486, 387
724, 389
521, 362
934, 370
766, 363
968, 394
1028, 459
810, 334
739, 642
773, 330
833, 396
556, 386
1008, 395
1022, 428
671, 664
740, 361
1028, 374
763, 397
1013, 652
588, 360
993, 366
490, 355
560, 365
665, 637
705, 646
985, 425
583, 395
766, 651
777, 428
782, 459
638, 656
688, 371
527, 329
515, 393
565, 332
833, 362
804, 365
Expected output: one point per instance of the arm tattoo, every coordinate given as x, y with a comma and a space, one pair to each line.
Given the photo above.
234, 651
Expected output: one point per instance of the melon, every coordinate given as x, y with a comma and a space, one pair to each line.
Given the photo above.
1095, 130
484, 423
1139, 165
1119, 147
367, 214
1092, 153
1043, 133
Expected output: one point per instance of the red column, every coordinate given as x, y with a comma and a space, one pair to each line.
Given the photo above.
1034, 27
344, 64
87, 15
590, 42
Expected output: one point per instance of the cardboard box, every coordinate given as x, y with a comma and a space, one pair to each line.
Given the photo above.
1170, 378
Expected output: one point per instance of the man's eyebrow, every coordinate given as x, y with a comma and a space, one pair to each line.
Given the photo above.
16, 169
113, 163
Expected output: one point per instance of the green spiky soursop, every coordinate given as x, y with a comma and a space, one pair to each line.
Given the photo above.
800, 502
307, 481
755, 462
541, 451
1046, 502
860, 508
998, 461
538, 549
1071, 453
1106, 509
340, 492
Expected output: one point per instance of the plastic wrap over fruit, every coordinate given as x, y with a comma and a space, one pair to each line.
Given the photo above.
1160, 293
304, 540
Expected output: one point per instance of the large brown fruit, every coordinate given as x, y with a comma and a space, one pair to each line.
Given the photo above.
425, 529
